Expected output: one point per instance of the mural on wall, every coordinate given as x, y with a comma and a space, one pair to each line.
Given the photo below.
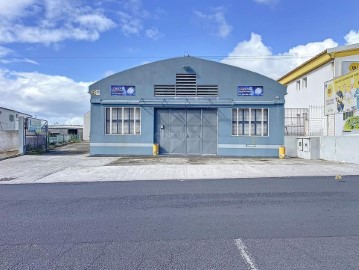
342, 94
352, 123
348, 66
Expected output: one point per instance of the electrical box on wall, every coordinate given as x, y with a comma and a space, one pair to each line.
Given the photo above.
308, 147
299, 144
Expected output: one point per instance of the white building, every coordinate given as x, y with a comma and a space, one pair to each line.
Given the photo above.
305, 87
9, 119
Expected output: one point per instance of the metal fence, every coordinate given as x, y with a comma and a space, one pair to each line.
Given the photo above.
60, 139
296, 121
308, 122
36, 138
319, 123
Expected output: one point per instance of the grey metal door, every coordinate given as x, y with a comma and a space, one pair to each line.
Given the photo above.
186, 131
209, 131
194, 132
177, 131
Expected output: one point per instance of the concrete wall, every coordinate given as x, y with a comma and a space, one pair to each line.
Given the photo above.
290, 143
9, 140
87, 124
340, 148
332, 148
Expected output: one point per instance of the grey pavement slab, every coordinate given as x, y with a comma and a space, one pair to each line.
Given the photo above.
73, 164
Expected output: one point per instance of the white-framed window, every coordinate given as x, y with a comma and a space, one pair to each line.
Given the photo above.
298, 85
305, 82
123, 121
249, 122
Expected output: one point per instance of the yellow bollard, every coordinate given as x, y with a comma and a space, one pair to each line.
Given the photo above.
155, 149
281, 152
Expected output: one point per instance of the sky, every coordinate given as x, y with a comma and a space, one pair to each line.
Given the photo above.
52, 50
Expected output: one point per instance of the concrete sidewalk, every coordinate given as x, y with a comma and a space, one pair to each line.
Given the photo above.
68, 164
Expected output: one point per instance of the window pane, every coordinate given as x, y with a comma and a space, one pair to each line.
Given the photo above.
126, 124
253, 129
265, 115
234, 128
243, 121
246, 128
258, 129
138, 121
124, 120
265, 129
240, 115
265, 122
234, 115
132, 113
107, 120
132, 121
246, 114
258, 116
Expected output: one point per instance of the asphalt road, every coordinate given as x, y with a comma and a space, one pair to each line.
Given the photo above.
279, 223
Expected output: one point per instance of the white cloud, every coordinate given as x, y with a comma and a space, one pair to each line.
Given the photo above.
15, 8
50, 21
216, 16
136, 8
5, 51
53, 98
154, 34
18, 60
132, 20
129, 24
352, 37
254, 55
75, 121
108, 73
267, 2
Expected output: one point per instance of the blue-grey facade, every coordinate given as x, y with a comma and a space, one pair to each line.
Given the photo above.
189, 106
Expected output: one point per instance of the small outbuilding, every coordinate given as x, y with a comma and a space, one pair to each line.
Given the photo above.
188, 106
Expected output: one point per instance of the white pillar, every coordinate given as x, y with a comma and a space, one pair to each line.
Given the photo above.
21, 135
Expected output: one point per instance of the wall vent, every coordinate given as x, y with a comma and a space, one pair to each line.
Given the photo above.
186, 86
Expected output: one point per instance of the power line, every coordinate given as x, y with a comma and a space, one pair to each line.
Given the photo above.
241, 57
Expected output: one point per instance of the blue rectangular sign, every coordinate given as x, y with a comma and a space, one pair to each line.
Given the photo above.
123, 90
250, 91
34, 125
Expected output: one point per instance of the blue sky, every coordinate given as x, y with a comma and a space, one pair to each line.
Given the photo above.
51, 50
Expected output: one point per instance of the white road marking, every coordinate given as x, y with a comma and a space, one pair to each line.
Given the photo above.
245, 254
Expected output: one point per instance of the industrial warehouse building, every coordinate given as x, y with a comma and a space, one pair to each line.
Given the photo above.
188, 106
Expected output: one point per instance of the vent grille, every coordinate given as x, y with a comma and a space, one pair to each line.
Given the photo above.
207, 90
186, 86
165, 90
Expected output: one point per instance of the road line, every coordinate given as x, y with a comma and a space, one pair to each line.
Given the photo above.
245, 254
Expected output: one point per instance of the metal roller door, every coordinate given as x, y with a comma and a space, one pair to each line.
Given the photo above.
186, 131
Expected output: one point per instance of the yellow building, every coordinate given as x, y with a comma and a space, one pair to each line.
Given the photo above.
306, 86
